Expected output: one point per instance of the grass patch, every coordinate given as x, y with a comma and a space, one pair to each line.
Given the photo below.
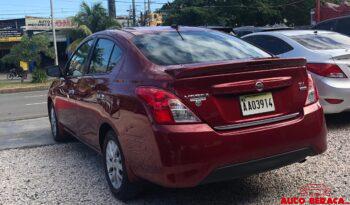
5, 85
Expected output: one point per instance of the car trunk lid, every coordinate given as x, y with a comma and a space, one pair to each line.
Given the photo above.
221, 94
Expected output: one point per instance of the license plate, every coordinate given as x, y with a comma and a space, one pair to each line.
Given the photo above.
257, 104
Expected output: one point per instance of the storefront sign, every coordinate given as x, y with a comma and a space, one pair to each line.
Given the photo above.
42, 24
10, 35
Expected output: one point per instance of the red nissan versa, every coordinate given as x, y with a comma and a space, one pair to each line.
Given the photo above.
184, 106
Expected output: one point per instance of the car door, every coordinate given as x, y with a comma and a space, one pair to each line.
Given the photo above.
93, 89
75, 69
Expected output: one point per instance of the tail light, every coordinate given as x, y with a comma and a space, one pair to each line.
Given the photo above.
165, 107
334, 101
312, 94
326, 70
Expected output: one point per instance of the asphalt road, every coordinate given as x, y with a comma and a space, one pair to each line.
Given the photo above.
26, 105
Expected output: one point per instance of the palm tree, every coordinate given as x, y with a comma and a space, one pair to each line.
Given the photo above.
89, 20
96, 17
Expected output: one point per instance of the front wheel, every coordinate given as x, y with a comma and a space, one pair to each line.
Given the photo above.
115, 170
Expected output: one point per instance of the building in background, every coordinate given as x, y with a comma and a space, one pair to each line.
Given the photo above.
37, 25
124, 21
151, 19
155, 19
12, 30
326, 10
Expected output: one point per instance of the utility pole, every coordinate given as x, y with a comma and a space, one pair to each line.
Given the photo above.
318, 11
133, 13
54, 33
111, 9
149, 6
145, 13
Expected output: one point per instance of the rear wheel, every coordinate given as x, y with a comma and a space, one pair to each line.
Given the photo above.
57, 133
115, 169
10, 76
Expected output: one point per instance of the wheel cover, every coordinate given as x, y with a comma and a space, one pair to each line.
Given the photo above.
114, 164
53, 122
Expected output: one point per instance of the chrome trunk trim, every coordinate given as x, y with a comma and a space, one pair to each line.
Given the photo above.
255, 123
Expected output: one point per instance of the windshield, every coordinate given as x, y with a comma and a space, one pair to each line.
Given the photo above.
168, 48
324, 41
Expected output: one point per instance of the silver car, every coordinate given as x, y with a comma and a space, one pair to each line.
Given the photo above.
328, 56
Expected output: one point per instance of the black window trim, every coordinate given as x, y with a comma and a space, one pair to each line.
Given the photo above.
85, 63
260, 35
336, 28
116, 43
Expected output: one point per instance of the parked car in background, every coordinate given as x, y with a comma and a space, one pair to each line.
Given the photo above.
224, 29
245, 30
340, 25
184, 106
328, 56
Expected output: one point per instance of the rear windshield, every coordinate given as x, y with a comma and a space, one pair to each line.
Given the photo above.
326, 41
168, 48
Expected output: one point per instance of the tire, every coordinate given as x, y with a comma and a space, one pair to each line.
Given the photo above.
10, 76
115, 170
58, 133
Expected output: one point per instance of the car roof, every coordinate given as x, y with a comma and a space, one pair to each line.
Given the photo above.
130, 32
261, 28
289, 33
157, 29
333, 19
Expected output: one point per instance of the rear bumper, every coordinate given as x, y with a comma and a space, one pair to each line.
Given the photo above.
330, 88
193, 154
257, 166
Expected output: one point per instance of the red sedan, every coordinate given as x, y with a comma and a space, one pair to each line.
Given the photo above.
182, 106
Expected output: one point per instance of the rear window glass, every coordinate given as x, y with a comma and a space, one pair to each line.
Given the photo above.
168, 48
327, 41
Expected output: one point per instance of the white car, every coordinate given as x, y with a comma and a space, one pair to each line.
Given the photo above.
328, 56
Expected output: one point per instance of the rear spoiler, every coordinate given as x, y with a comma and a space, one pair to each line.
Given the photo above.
194, 70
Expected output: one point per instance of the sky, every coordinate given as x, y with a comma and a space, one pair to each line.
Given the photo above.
10, 9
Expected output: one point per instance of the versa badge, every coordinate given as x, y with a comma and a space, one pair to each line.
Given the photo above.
197, 98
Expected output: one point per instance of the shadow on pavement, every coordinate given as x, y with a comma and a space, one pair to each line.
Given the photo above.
238, 191
338, 120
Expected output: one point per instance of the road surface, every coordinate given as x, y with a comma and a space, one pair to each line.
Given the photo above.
26, 105
23, 120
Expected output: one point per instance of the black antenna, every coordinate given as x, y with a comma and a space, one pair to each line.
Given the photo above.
176, 27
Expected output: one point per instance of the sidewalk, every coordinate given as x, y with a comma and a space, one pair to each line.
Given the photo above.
14, 86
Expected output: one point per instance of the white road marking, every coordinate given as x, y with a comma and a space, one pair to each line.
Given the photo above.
41, 103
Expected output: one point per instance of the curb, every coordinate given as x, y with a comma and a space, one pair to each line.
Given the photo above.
17, 90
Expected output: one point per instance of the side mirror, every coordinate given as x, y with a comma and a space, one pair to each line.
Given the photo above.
54, 71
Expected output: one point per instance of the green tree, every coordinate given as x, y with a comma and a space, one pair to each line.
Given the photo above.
89, 20
238, 12
95, 17
30, 49
77, 35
